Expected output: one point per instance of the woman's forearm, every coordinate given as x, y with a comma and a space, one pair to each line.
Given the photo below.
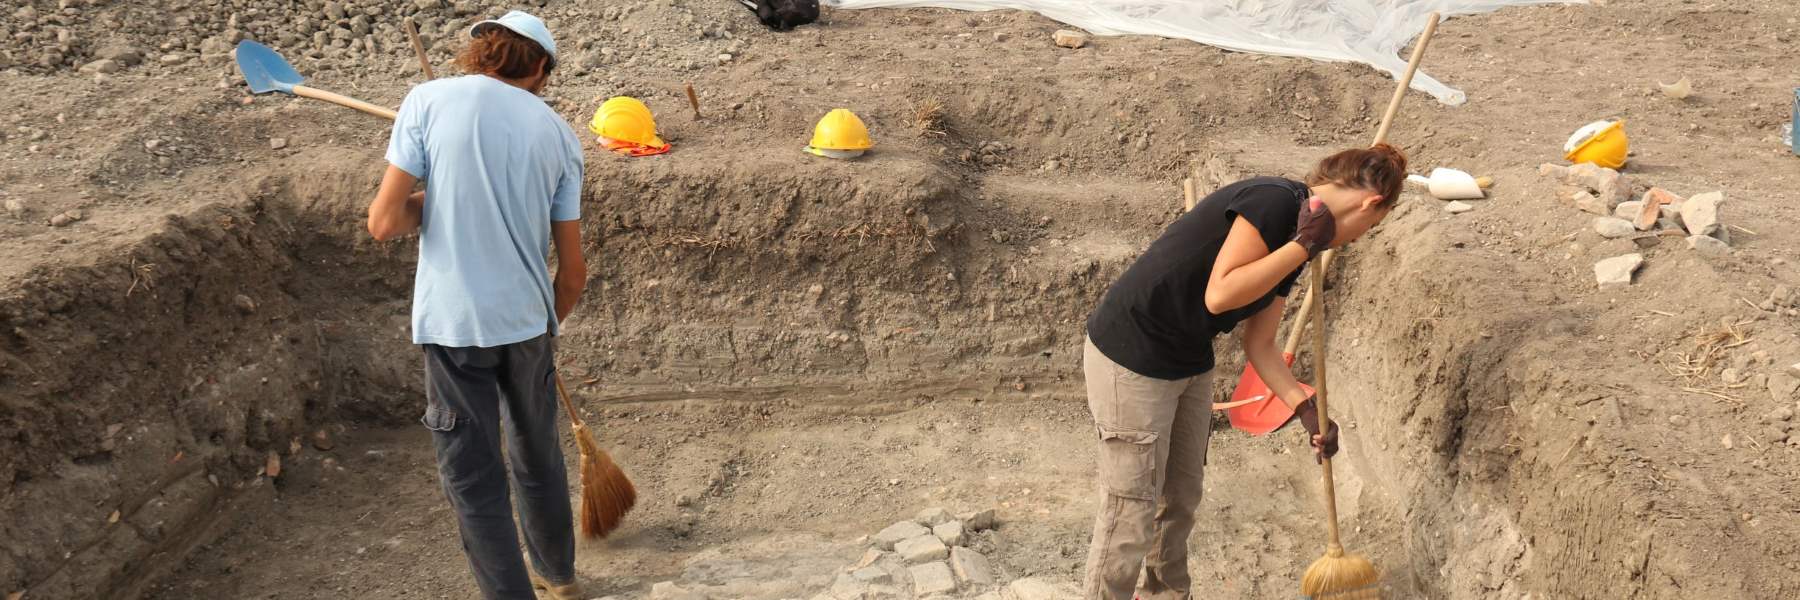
1274, 371
1243, 285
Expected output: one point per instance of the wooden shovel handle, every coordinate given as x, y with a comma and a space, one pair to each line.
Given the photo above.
412, 33
346, 101
1381, 133
1412, 66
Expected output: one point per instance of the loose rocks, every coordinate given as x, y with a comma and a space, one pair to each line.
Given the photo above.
1700, 214
277, 143
871, 574
1616, 271
1589, 187
1457, 208
1656, 203
1782, 387
951, 533
1069, 39
971, 567
667, 590
898, 532
1613, 227
932, 517
104, 65
924, 548
932, 578
1708, 245
983, 520
67, 218
1032, 588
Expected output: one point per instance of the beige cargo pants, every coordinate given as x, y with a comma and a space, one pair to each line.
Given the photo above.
1153, 435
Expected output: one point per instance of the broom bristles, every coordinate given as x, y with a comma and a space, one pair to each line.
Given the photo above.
606, 492
1341, 576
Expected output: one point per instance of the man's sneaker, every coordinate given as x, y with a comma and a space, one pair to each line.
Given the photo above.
567, 591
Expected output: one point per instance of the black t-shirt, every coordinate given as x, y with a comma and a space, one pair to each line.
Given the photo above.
1153, 320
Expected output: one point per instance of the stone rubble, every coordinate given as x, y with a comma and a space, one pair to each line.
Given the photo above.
1616, 271
1708, 245
1700, 215
924, 548
932, 563
1589, 187
897, 533
971, 568
1613, 227
1069, 39
932, 578
951, 533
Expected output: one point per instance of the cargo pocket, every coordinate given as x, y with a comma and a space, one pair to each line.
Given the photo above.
1128, 463
438, 418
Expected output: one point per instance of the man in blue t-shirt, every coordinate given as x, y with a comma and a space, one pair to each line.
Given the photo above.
504, 183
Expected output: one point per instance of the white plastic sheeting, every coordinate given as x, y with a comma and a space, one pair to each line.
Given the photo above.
1372, 32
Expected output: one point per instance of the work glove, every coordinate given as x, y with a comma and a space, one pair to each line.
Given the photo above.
1316, 228
1325, 445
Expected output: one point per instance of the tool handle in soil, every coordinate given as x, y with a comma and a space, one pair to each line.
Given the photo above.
1318, 289
342, 100
412, 33
568, 405
693, 100
1381, 133
1412, 66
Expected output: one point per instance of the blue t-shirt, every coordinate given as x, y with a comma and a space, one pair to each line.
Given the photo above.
498, 165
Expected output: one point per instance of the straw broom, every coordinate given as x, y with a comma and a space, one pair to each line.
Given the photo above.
1340, 575
606, 493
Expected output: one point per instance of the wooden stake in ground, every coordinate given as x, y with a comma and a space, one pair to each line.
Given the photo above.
1340, 575
606, 493
693, 101
412, 33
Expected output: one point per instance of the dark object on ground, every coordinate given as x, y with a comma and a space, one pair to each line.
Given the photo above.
782, 15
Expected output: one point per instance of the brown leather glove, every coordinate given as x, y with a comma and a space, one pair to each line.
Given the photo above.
1317, 227
1308, 413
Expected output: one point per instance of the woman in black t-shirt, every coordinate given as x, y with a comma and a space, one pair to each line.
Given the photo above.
1149, 357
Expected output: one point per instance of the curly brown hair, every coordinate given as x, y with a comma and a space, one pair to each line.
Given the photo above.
1380, 168
498, 51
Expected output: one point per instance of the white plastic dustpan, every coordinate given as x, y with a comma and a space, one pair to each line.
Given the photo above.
1449, 184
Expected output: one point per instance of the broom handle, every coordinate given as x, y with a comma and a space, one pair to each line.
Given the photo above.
568, 406
1387, 121
1315, 301
1318, 310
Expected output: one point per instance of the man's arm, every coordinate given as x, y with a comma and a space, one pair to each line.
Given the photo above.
571, 267
397, 209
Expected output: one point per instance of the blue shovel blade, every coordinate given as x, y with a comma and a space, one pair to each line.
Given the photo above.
265, 70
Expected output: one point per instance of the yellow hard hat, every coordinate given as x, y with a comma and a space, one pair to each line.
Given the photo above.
1601, 142
625, 119
840, 130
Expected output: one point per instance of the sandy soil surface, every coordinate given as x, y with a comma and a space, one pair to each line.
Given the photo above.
790, 354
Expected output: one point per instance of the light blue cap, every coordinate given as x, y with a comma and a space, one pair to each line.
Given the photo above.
522, 23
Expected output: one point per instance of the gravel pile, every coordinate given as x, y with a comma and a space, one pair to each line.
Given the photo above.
351, 39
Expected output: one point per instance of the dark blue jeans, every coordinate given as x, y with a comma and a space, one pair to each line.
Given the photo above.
474, 398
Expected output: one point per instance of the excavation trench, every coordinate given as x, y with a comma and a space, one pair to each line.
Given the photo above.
787, 357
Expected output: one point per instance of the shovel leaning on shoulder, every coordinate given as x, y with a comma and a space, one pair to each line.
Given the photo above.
266, 71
